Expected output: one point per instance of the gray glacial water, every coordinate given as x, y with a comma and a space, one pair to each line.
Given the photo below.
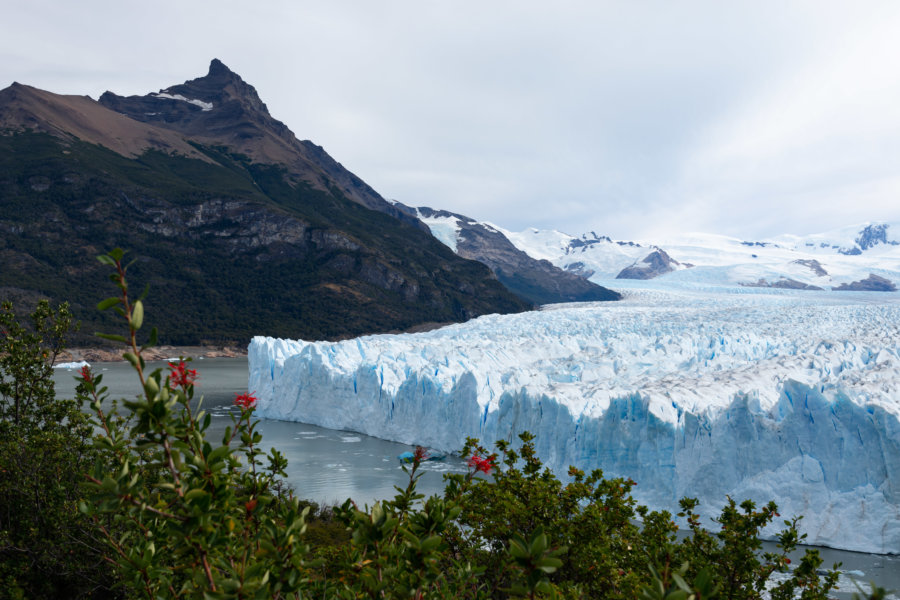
324, 465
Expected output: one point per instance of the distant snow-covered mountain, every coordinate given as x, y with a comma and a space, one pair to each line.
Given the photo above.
860, 257
531, 278
863, 257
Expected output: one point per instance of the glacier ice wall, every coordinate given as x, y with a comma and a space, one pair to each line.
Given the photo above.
783, 396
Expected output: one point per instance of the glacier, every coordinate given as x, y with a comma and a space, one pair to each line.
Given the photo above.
824, 260
689, 390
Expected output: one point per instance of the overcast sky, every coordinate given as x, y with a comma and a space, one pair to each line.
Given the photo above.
633, 119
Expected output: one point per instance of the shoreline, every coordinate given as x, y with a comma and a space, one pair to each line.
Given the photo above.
93, 355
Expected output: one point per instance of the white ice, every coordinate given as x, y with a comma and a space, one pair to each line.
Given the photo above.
690, 390
72, 365
445, 229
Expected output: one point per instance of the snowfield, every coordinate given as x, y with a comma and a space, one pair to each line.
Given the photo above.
698, 391
825, 260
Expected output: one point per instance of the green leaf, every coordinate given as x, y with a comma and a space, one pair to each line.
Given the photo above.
538, 543
218, 454
195, 494
131, 357
517, 550
137, 315
108, 303
548, 565
680, 582
151, 387
154, 338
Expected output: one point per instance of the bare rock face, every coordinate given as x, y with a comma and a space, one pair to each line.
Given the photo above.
872, 235
580, 269
653, 265
872, 283
813, 266
869, 237
783, 283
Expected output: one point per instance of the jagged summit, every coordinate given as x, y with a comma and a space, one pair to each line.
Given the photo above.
221, 109
218, 69
220, 86
218, 105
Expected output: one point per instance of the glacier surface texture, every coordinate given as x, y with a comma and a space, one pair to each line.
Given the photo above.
763, 394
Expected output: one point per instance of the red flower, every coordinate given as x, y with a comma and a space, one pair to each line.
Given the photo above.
482, 464
247, 400
181, 376
86, 374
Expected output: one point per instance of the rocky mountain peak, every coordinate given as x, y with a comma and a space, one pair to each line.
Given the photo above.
220, 100
221, 85
653, 265
222, 109
872, 235
218, 69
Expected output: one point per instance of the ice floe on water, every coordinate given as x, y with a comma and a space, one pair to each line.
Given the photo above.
72, 365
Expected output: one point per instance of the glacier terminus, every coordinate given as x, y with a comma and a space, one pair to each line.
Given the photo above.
708, 392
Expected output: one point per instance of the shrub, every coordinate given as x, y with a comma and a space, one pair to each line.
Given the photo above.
47, 550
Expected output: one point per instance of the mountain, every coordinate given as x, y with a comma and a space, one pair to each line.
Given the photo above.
237, 226
232, 114
863, 257
220, 109
536, 280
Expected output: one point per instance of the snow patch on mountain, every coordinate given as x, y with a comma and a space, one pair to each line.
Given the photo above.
204, 106
445, 228
600, 256
690, 390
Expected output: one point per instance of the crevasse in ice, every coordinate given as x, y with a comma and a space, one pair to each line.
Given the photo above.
769, 395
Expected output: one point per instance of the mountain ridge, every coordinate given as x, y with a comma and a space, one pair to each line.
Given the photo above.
79, 117
230, 245
237, 118
845, 259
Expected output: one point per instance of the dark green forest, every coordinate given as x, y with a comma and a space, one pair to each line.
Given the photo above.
349, 271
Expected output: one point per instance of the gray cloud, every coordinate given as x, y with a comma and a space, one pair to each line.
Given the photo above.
631, 119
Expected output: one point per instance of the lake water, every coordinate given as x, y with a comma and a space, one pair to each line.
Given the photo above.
324, 465
329, 466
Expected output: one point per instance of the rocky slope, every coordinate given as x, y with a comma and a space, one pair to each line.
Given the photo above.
238, 227
536, 280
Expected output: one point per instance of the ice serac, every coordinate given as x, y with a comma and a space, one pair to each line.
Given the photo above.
753, 393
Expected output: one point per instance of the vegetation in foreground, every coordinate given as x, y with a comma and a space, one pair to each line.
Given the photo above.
140, 503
